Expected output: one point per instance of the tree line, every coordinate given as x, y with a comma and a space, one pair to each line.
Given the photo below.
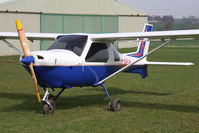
168, 21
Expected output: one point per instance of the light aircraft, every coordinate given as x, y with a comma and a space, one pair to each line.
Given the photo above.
87, 59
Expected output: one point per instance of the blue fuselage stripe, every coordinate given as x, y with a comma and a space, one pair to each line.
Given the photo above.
71, 76
63, 76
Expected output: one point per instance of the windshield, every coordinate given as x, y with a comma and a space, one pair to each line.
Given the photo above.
74, 43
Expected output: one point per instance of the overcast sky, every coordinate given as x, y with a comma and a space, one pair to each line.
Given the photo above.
177, 8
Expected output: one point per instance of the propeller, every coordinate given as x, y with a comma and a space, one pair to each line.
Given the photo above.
26, 50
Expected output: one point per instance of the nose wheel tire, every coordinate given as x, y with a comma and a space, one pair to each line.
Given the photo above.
115, 105
49, 108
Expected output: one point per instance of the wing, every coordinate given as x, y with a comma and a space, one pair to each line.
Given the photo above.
30, 36
155, 35
160, 35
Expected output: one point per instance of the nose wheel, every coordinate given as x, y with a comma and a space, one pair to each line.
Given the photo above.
48, 103
49, 107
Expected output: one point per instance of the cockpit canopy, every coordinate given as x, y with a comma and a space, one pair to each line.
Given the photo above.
74, 43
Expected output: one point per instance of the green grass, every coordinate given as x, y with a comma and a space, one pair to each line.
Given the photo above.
179, 43
166, 101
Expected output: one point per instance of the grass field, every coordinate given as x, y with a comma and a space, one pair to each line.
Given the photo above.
179, 43
166, 101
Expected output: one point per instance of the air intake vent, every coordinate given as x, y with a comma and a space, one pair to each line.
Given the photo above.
40, 57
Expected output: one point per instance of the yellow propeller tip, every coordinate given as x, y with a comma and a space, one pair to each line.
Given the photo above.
19, 26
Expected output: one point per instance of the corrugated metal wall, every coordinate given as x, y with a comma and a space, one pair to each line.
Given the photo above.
60, 23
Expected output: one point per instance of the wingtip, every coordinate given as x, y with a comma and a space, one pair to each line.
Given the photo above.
19, 26
191, 64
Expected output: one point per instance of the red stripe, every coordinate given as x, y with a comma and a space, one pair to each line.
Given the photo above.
141, 50
20, 29
37, 91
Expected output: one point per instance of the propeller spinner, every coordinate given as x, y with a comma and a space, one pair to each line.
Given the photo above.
26, 50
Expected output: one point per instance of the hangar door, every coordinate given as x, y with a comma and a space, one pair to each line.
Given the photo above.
59, 23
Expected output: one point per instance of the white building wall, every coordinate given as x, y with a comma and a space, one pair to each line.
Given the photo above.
30, 22
131, 24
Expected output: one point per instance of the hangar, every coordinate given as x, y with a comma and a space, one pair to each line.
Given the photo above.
69, 16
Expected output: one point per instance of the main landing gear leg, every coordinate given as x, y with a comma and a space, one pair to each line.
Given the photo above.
114, 104
48, 103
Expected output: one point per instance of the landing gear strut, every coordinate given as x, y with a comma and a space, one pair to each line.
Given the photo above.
114, 104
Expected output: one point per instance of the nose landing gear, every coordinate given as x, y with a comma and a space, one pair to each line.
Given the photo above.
49, 107
48, 103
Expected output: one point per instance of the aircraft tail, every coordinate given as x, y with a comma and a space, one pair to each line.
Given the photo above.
143, 46
142, 50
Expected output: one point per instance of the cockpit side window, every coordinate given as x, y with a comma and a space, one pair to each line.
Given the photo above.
115, 53
74, 43
98, 53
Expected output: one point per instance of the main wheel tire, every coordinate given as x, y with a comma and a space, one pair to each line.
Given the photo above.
49, 109
115, 105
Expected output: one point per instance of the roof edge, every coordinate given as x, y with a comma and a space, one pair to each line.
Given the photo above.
130, 7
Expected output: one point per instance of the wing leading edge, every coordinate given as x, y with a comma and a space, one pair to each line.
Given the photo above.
154, 35
31, 36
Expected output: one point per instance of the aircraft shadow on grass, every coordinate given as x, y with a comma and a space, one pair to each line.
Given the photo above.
89, 100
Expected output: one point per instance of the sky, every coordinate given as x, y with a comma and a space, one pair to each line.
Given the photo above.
6, 2
177, 8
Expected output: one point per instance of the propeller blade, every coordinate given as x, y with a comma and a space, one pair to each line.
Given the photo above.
23, 39
26, 50
35, 82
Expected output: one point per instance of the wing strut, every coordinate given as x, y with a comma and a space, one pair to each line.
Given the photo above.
12, 46
127, 66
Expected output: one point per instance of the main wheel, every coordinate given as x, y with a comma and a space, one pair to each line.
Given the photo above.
49, 109
115, 105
